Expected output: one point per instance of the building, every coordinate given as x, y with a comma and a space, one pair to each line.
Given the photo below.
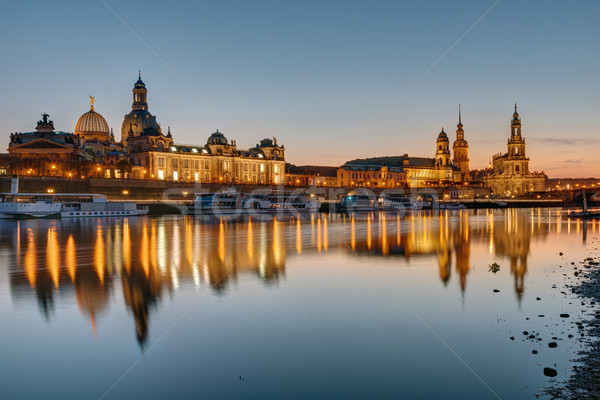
46, 151
139, 118
371, 172
311, 175
510, 175
403, 171
154, 155
460, 148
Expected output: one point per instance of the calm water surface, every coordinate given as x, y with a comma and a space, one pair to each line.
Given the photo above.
354, 307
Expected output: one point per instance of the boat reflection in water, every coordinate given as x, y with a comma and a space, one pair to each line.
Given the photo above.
94, 260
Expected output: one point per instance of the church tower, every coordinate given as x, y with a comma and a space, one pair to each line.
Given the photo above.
516, 143
139, 95
461, 148
442, 154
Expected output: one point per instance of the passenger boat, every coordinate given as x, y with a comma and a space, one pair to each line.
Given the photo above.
281, 201
96, 205
401, 201
358, 200
223, 202
28, 205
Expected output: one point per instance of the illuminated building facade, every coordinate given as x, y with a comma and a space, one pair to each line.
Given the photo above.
510, 173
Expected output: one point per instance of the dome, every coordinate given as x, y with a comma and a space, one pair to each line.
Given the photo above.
92, 126
442, 136
217, 138
139, 84
138, 121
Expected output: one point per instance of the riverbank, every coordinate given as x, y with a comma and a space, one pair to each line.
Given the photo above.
584, 382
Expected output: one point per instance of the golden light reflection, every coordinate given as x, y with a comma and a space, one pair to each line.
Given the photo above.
369, 234
126, 245
71, 258
145, 250
221, 248
53, 256
298, 236
352, 233
319, 244
325, 235
99, 254
31, 258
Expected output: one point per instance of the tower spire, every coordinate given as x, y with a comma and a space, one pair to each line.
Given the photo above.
459, 119
139, 74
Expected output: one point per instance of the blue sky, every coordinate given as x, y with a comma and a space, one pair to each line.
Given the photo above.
318, 75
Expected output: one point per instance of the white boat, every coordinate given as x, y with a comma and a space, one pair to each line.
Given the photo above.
28, 205
96, 205
401, 201
359, 200
226, 201
281, 201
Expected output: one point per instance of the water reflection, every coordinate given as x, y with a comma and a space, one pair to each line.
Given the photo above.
91, 259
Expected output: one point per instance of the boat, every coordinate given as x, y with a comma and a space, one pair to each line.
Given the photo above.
585, 213
358, 200
95, 205
452, 206
27, 205
226, 201
401, 201
281, 201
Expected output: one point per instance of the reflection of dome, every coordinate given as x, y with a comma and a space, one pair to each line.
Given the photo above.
92, 126
217, 138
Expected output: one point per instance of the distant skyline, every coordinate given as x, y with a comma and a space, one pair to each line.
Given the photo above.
318, 75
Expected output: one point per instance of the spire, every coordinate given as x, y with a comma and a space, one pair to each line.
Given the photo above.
139, 74
459, 119
515, 106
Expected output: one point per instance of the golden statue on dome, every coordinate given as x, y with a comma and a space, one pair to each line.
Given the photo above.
92, 98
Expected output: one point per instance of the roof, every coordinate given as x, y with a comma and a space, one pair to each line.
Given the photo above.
395, 161
317, 170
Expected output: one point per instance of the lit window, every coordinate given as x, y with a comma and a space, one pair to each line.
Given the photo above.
194, 150
204, 151
196, 176
173, 148
275, 168
175, 175
161, 174
262, 167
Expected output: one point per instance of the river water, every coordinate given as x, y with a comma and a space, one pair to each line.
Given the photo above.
362, 306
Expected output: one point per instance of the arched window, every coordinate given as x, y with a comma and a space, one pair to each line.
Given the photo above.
159, 146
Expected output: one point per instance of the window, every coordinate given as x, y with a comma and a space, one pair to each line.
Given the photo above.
245, 167
275, 168
159, 146
161, 174
196, 176
174, 163
107, 173
185, 163
254, 167
206, 177
161, 161
175, 175
196, 164
206, 164
262, 167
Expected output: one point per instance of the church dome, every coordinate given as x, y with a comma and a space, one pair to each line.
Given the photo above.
92, 126
217, 138
139, 121
442, 136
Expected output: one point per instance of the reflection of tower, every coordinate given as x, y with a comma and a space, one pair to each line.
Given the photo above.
139, 293
91, 293
462, 247
444, 254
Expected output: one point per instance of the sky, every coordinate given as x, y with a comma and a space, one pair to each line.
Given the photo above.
332, 80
